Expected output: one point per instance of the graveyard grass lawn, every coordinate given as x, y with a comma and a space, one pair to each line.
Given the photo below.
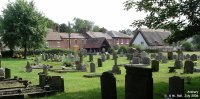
78, 87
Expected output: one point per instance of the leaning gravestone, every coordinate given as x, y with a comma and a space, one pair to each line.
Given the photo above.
188, 66
99, 62
145, 60
170, 55
108, 86
176, 87
138, 83
193, 57
135, 60
178, 64
155, 65
92, 67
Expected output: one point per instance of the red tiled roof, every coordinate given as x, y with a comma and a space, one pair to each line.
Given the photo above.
53, 36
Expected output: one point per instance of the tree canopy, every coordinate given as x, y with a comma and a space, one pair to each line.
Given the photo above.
81, 25
181, 17
24, 26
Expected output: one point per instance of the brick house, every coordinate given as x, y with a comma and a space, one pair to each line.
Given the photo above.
53, 40
77, 40
119, 38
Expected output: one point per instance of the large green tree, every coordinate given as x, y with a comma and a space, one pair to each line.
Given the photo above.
81, 25
24, 26
181, 17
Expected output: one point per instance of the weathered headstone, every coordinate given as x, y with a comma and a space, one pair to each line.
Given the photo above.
57, 83
108, 86
180, 55
7, 73
170, 55
99, 62
1, 72
42, 79
107, 56
176, 87
143, 54
187, 56
116, 68
45, 70
160, 56
28, 67
84, 69
135, 60
37, 61
178, 64
155, 65
114, 55
193, 57
121, 53
188, 66
164, 59
175, 57
138, 83
92, 67
145, 60
103, 57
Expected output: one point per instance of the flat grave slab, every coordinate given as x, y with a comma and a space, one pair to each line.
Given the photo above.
92, 75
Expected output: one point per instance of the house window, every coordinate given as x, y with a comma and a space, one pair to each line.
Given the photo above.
117, 41
58, 44
76, 42
122, 41
142, 43
127, 41
47, 44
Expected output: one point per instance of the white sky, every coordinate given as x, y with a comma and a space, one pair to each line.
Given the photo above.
105, 13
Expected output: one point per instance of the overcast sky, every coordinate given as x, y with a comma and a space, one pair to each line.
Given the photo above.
105, 13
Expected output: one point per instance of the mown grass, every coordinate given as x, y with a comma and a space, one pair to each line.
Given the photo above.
78, 87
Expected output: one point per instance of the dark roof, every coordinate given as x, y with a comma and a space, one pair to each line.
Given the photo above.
96, 43
116, 34
98, 35
153, 37
72, 35
53, 36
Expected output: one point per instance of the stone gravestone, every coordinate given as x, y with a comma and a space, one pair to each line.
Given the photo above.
157, 58
145, 60
176, 87
90, 57
170, 55
45, 69
121, 53
92, 67
42, 79
108, 86
37, 61
160, 56
28, 67
107, 56
114, 55
57, 83
143, 54
188, 66
84, 69
193, 57
175, 57
153, 55
63, 58
7, 73
138, 83
99, 62
178, 64
180, 56
116, 68
135, 60
103, 57
155, 65
187, 56
164, 59
1, 73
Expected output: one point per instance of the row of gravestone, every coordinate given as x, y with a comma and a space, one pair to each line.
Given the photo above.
57, 57
138, 84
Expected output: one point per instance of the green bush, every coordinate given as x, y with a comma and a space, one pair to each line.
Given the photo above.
187, 46
122, 48
7, 53
110, 50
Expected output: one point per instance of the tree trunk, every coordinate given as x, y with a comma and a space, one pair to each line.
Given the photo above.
25, 50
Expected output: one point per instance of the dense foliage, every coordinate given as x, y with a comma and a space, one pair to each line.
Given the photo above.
181, 17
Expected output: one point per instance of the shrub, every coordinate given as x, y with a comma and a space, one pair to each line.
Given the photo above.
122, 48
8, 53
187, 46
